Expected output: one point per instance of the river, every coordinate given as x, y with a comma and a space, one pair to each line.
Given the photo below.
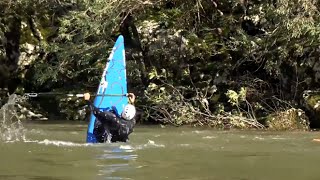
57, 151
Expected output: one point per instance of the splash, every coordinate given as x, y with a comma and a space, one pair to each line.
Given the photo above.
150, 144
11, 128
61, 143
209, 137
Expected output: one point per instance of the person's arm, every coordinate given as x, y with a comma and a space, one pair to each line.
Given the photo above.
103, 116
86, 97
126, 128
131, 97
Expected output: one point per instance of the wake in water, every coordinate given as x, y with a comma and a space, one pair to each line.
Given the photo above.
58, 143
11, 128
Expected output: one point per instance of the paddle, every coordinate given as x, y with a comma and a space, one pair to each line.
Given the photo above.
43, 94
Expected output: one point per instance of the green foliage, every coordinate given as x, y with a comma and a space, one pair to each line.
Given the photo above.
185, 57
291, 119
233, 97
86, 35
166, 104
298, 20
236, 98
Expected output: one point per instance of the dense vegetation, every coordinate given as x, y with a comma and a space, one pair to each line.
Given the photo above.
226, 63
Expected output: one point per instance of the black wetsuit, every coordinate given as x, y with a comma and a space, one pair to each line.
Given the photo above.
109, 127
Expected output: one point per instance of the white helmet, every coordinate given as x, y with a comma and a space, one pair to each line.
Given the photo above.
128, 112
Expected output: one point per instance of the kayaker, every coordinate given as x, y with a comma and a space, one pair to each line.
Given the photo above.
110, 127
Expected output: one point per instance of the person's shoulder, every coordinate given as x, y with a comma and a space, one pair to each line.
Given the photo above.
126, 122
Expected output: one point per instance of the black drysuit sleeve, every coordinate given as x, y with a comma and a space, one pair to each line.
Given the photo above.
104, 117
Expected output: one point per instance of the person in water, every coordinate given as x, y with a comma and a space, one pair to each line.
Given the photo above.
111, 127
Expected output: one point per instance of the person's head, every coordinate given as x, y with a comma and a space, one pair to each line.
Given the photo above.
128, 112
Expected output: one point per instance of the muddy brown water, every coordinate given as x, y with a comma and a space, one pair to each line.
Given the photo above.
57, 151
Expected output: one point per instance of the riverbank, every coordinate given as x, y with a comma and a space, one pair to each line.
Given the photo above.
18, 108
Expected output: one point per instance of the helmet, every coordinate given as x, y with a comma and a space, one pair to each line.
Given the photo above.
128, 112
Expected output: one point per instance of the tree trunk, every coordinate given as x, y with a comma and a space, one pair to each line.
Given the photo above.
12, 50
